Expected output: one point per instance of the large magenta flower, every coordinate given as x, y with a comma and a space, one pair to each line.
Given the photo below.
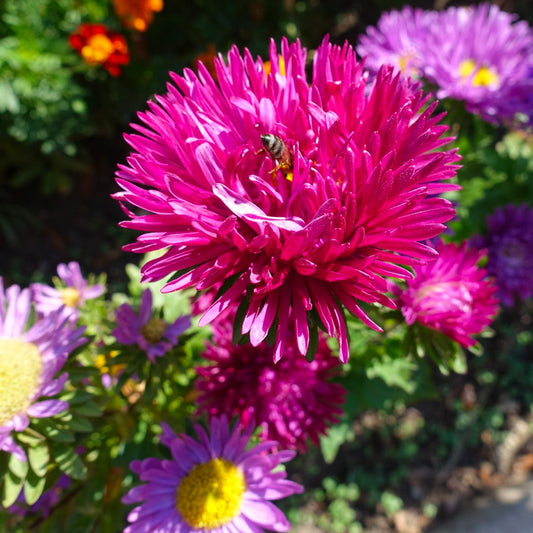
300, 196
451, 294
292, 400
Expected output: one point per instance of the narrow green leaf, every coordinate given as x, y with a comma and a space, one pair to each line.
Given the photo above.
79, 424
39, 459
12, 485
18, 468
69, 462
33, 488
89, 408
60, 435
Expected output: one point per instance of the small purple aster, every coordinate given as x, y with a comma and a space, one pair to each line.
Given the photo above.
291, 400
398, 40
510, 249
478, 54
451, 294
213, 484
71, 297
152, 334
30, 358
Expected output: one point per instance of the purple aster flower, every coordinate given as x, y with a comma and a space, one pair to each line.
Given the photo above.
30, 358
291, 400
478, 54
398, 40
299, 197
451, 294
151, 333
510, 250
481, 55
71, 297
213, 484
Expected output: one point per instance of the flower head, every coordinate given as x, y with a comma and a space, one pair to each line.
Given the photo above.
211, 484
152, 334
451, 294
291, 400
137, 14
305, 225
99, 46
398, 40
478, 54
510, 252
30, 359
71, 297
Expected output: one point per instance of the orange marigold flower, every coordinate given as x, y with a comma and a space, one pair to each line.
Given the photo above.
137, 14
99, 46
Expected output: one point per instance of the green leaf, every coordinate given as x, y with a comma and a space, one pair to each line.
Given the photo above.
12, 485
59, 434
90, 409
80, 425
39, 459
33, 488
69, 462
18, 468
334, 439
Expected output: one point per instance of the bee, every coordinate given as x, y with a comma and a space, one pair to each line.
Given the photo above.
279, 151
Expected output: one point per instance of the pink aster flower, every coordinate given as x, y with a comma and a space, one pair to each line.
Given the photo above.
71, 297
152, 334
291, 400
211, 484
451, 294
30, 359
510, 249
301, 195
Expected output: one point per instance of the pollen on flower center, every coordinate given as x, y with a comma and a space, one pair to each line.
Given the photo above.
211, 494
70, 296
153, 331
482, 76
20, 375
98, 48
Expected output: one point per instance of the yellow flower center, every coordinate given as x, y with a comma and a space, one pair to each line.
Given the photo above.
154, 330
98, 48
20, 375
70, 296
210, 495
481, 77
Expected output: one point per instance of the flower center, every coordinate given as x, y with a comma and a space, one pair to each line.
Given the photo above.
98, 48
153, 331
210, 495
481, 77
20, 375
70, 296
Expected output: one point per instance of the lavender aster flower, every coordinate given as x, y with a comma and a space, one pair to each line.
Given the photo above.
398, 40
478, 54
30, 358
510, 250
71, 297
299, 197
481, 55
152, 334
292, 400
212, 484
451, 294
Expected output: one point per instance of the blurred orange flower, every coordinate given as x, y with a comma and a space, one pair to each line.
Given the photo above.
137, 14
208, 59
99, 46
